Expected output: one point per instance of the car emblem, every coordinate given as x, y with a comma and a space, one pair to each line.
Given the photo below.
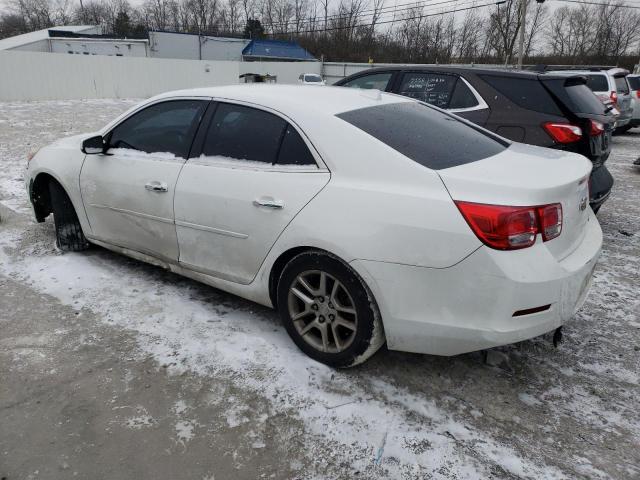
583, 204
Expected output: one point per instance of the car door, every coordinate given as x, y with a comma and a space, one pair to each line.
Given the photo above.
128, 191
251, 172
444, 90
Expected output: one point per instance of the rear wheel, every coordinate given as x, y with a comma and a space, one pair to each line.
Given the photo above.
621, 130
328, 311
69, 236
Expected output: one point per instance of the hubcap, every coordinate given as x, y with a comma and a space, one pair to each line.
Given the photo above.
322, 311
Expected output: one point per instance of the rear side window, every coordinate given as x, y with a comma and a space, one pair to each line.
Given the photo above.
462, 97
598, 83
582, 100
634, 82
244, 133
249, 134
527, 93
427, 136
378, 81
432, 88
293, 150
621, 85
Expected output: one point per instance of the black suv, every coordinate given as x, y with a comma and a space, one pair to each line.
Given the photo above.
535, 108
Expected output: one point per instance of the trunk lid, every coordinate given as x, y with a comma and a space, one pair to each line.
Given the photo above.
526, 176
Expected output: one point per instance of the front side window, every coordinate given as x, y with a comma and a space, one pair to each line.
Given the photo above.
248, 134
166, 127
427, 136
377, 81
432, 88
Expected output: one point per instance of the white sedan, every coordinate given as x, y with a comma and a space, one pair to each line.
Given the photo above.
363, 217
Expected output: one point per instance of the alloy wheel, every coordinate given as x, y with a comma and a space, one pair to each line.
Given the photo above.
322, 311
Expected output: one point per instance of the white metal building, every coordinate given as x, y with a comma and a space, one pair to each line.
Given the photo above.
195, 47
47, 41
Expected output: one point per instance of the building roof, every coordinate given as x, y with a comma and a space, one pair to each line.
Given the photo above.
276, 49
32, 37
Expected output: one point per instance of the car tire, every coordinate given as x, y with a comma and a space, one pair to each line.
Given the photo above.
69, 235
621, 130
336, 322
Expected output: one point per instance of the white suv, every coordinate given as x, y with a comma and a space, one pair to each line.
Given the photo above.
612, 88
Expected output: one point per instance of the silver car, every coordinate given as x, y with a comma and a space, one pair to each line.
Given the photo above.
634, 83
612, 88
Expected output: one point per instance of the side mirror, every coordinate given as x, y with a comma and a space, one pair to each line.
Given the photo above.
93, 145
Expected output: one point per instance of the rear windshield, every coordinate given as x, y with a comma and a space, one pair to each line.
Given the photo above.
427, 136
621, 85
582, 100
634, 82
313, 78
598, 83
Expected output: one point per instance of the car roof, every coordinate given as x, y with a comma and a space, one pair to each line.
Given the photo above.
292, 99
503, 72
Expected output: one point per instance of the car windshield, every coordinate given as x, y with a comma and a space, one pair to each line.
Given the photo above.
313, 78
424, 134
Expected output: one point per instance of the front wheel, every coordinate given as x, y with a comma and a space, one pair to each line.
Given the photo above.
69, 235
328, 310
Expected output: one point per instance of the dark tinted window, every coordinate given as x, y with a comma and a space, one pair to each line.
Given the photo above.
462, 96
293, 150
376, 81
583, 100
598, 83
634, 82
244, 133
425, 135
621, 85
524, 92
432, 88
163, 127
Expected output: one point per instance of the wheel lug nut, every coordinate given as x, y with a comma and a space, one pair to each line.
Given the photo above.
330, 305
314, 306
332, 317
321, 319
321, 299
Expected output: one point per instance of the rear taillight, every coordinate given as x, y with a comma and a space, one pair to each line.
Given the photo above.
511, 228
637, 92
550, 218
596, 128
563, 132
614, 98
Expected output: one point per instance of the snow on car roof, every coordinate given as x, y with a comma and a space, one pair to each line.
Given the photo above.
293, 98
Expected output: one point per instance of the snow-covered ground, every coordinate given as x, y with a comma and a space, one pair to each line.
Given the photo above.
531, 411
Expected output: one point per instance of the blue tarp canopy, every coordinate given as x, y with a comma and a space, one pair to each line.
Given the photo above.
276, 49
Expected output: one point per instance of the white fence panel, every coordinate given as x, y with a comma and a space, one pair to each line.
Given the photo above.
47, 76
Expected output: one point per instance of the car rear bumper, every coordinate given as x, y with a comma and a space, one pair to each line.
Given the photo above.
471, 305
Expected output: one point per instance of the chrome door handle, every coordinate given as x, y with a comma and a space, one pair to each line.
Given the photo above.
157, 187
269, 203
